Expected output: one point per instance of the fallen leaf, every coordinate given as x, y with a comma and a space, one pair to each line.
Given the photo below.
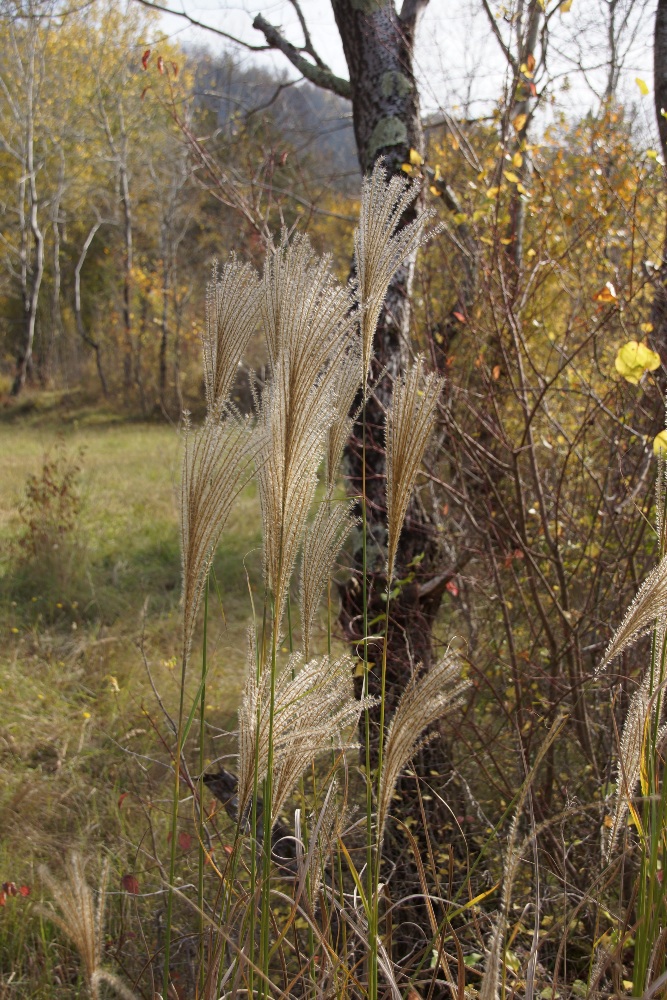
130, 884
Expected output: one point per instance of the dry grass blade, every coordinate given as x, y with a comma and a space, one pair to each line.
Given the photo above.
217, 463
349, 381
313, 708
425, 699
649, 605
410, 420
322, 543
381, 246
489, 986
232, 314
82, 922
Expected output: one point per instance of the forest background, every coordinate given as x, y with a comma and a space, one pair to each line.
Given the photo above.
129, 163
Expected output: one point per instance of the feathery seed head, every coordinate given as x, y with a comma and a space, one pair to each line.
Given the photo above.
649, 605
381, 246
232, 315
313, 706
323, 541
218, 462
424, 700
410, 419
82, 922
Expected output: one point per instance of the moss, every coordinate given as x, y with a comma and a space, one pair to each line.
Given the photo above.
388, 132
393, 83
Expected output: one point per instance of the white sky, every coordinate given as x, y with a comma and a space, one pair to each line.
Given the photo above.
458, 62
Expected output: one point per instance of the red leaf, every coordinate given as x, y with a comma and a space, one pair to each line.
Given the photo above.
160, 64
184, 841
130, 884
459, 316
533, 89
24, 890
121, 799
452, 588
228, 850
144, 59
3, 898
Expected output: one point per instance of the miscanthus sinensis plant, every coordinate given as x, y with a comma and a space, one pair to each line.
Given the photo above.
293, 912
641, 790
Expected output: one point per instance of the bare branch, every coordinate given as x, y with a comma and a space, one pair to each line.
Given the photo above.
200, 24
499, 38
320, 76
411, 11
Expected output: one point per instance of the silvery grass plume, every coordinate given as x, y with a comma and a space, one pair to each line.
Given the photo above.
380, 247
313, 707
410, 419
649, 606
489, 986
83, 922
349, 382
323, 541
232, 315
311, 329
631, 748
424, 700
218, 462
325, 827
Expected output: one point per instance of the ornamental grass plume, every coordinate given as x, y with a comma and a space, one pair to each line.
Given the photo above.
410, 419
323, 541
424, 700
218, 462
312, 709
83, 922
380, 246
311, 329
649, 605
640, 714
232, 315
349, 382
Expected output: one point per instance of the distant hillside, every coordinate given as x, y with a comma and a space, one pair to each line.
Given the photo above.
313, 121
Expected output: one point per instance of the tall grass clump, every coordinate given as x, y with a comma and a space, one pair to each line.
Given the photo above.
641, 789
291, 909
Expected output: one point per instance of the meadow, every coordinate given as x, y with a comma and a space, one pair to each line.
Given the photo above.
80, 627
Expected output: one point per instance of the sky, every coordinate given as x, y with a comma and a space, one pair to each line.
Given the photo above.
457, 60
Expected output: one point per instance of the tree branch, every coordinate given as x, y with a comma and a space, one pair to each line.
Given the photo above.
496, 30
411, 10
320, 76
200, 24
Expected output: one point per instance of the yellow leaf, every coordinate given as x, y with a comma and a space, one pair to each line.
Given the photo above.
492, 192
565, 6
606, 294
506, 241
646, 327
633, 359
525, 69
643, 87
517, 160
436, 192
485, 239
416, 159
521, 189
652, 154
406, 167
510, 176
531, 252
520, 122
660, 444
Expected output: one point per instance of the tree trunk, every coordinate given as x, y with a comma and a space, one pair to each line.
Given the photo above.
378, 46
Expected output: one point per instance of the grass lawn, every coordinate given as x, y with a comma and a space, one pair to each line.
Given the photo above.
83, 623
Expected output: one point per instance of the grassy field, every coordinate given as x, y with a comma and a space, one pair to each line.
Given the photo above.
82, 625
